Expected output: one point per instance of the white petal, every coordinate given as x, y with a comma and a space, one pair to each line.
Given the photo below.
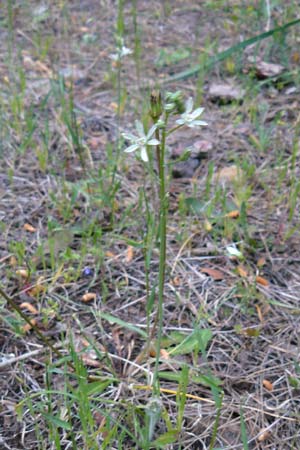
197, 113
189, 105
199, 123
151, 131
125, 51
140, 128
233, 251
131, 148
180, 121
129, 137
153, 142
144, 154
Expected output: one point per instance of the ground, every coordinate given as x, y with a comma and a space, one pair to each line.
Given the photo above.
79, 247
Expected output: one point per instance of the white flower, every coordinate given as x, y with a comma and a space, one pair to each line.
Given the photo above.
141, 141
121, 52
190, 117
232, 251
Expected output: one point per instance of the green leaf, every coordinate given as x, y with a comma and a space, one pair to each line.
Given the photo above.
209, 381
128, 241
187, 345
195, 205
243, 431
197, 339
96, 387
294, 382
167, 58
122, 323
167, 438
204, 337
59, 241
55, 420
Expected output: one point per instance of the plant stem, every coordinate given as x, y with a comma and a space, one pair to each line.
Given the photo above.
162, 247
173, 129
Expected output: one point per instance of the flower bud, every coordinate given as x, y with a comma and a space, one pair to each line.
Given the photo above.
174, 102
155, 105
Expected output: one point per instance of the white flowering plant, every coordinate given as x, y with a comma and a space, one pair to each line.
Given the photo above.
190, 117
155, 137
160, 114
142, 140
122, 50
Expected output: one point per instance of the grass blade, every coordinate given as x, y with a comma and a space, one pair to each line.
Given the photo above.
226, 53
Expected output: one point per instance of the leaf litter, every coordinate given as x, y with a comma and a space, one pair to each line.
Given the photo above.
217, 291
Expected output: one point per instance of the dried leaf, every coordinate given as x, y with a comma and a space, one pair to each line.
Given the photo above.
129, 254
29, 307
176, 281
100, 421
37, 65
264, 435
90, 361
242, 271
164, 354
88, 297
22, 273
114, 105
27, 327
252, 332
296, 57
228, 174
261, 280
28, 227
268, 385
97, 141
233, 214
13, 261
261, 262
259, 313
38, 288
214, 273
152, 352
207, 226
110, 254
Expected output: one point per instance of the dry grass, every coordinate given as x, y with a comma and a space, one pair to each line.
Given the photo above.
254, 350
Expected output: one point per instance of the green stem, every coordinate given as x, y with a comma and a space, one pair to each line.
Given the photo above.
216, 424
162, 248
173, 129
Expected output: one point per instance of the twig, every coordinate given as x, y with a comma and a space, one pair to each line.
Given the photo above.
10, 361
33, 326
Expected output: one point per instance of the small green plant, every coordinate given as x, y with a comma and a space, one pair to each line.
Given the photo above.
68, 117
162, 113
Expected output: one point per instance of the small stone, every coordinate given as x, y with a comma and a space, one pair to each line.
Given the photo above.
225, 93
185, 169
265, 69
201, 148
